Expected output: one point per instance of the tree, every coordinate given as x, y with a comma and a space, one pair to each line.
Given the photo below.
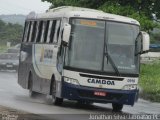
2, 24
79, 3
10, 32
136, 12
141, 10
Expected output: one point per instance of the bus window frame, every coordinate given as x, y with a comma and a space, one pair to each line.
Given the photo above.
37, 30
25, 31
49, 31
52, 33
44, 23
58, 28
40, 31
34, 30
46, 31
31, 31
40, 26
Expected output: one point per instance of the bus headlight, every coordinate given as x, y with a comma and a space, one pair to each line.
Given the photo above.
71, 81
130, 87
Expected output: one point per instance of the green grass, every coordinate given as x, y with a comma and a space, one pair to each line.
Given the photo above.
150, 81
3, 48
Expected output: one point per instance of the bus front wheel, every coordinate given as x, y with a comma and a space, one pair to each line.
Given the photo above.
56, 100
117, 107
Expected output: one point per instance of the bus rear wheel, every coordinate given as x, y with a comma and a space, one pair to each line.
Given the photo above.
56, 100
32, 94
117, 107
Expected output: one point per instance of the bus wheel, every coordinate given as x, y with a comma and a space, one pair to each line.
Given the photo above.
32, 94
56, 100
117, 107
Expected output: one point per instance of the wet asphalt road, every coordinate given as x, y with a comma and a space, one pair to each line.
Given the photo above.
13, 96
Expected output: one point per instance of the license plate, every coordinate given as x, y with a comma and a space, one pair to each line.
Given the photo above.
100, 94
9, 66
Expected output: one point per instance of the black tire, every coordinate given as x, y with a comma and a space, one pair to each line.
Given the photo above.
117, 107
55, 100
32, 94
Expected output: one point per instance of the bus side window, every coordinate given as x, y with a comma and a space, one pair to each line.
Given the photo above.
57, 31
43, 31
25, 32
34, 31
52, 34
49, 31
46, 31
39, 31
29, 31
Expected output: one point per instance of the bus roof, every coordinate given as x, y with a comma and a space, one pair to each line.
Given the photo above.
78, 12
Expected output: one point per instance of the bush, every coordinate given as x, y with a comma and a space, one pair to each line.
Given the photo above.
150, 81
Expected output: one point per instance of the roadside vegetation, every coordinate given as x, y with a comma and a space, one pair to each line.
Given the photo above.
9, 33
3, 48
150, 81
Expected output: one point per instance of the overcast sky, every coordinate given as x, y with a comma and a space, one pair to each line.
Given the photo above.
22, 6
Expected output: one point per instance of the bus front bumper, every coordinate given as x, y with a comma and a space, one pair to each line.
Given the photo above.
81, 93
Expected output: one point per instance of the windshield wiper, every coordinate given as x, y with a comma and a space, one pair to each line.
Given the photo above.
107, 55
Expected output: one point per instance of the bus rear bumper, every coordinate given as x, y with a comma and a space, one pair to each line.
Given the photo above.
81, 93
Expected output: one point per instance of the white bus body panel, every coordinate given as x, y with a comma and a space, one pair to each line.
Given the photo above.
44, 61
70, 12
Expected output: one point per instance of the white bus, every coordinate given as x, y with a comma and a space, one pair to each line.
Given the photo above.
83, 55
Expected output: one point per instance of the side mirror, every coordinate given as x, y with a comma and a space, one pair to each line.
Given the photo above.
66, 33
145, 42
142, 43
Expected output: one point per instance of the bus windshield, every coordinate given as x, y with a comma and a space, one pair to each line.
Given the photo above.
90, 41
